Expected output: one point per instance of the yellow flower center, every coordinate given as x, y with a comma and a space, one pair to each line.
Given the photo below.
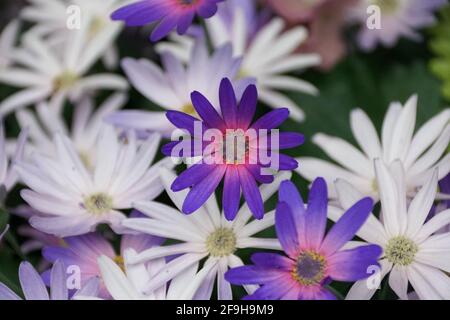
222, 242
309, 268
401, 251
65, 81
98, 203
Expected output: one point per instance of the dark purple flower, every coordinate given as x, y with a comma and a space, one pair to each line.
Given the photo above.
313, 258
242, 166
171, 14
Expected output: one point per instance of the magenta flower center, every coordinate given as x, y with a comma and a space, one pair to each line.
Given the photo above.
309, 268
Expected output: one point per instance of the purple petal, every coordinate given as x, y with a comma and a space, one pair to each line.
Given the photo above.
290, 140
252, 275
228, 103
272, 119
231, 193
183, 121
206, 111
7, 294
276, 289
272, 261
255, 170
352, 265
247, 107
316, 213
32, 285
286, 162
58, 284
207, 10
140, 13
201, 192
185, 22
192, 176
289, 194
167, 24
251, 193
347, 226
286, 229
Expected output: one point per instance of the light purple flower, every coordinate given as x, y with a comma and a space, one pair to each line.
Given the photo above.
398, 18
84, 251
33, 286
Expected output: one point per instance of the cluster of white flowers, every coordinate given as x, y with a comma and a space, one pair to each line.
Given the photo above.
92, 172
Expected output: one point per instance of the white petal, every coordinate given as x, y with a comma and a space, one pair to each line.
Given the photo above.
365, 133
398, 281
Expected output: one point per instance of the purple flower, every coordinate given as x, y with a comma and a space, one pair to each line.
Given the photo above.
170, 14
84, 251
33, 286
241, 168
313, 259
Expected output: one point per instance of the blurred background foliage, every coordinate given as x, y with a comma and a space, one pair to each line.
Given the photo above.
369, 81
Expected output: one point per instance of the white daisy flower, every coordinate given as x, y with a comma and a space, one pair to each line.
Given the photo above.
413, 252
85, 128
51, 18
45, 72
128, 282
204, 234
267, 53
170, 88
8, 176
419, 152
7, 41
74, 199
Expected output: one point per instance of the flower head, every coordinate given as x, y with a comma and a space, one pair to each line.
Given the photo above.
33, 286
313, 257
59, 74
170, 14
397, 18
206, 234
83, 251
420, 152
170, 87
413, 251
234, 153
73, 199
267, 52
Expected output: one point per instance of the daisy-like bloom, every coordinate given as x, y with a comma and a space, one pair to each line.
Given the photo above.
83, 251
397, 18
127, 282
413, 252
170, 88
7, 41
33, 286
240, 165
54, 20
170, 14
58, 74
206, 234
267, 53
313, 258
420, 152
83, 132
73, 199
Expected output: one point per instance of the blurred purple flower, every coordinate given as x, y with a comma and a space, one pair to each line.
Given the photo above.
170, 14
